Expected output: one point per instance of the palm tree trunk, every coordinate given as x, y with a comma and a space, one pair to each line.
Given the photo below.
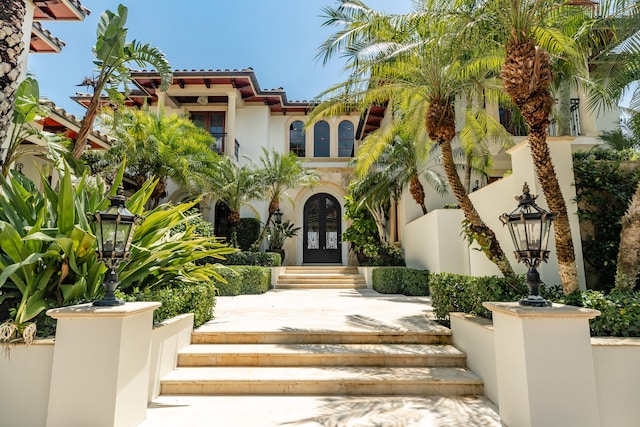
87, 123
440, 122
12, 14
629, 250
526, 76
417, 192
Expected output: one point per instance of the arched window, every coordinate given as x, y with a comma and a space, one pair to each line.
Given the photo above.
321, 142
345, 139
296, 138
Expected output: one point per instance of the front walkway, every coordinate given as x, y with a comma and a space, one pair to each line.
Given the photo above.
320, 310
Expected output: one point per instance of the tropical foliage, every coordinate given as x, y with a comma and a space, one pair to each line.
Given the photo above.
603, 178
27, 109
417, 65
279, 233
48, 258
278, 173
113, 54
158, 146
235, 186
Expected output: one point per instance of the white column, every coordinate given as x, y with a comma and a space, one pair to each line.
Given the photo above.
544, 362
101, 365
230, 128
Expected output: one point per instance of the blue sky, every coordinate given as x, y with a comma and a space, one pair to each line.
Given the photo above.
277, 38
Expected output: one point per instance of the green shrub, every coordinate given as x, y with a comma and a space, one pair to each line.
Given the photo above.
244, 280
400, 280
199, 299
620, 312
416, 282
261, 259
248, 231
386, 280
455, 292
603, 180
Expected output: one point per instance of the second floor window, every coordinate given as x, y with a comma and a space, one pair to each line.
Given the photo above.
345, 139
297, 138
212, 121
321, 142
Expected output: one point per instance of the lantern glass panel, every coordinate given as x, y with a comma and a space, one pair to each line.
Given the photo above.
533, 231
122, 236
108, 230
519, 235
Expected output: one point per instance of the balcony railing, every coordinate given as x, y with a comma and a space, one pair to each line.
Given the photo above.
218, 145
236, 150
513, 122
574, 120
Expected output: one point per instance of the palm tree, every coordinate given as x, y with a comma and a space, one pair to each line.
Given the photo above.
235, 186
403, 162
411, 61
113, 54
278, 173
532, 31
12, 13
161, 146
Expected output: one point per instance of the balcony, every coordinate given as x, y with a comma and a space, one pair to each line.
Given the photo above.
218, 145
511, 119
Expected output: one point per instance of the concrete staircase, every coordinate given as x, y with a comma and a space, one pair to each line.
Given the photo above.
307, 340
299, 362
321, 277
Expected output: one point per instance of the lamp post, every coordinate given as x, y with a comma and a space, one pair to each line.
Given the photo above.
529, 226
277, 216
114, 231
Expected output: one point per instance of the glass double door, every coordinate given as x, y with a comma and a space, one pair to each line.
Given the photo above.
322, 230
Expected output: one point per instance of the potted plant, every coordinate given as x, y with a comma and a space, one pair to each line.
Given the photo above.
279, 232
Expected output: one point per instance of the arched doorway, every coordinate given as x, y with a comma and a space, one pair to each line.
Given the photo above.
322, 230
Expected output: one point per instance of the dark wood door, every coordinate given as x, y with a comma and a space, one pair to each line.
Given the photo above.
322, 230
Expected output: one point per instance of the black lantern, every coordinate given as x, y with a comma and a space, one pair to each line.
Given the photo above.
529, 226
277, 216
114, 231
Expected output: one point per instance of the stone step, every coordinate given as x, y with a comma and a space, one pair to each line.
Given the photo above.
336, 380
322, 269
321, 285
321, 278
435, 335
321, 355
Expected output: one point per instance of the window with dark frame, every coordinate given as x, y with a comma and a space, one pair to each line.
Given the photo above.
321, 141
345, 139
213, 122
297, 140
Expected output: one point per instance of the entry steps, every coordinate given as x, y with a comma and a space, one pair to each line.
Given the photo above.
322, 363
321, 277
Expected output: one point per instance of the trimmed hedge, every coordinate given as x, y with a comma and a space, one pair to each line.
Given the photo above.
400, 280
456, 292
620, 313
244, 280
247, 232
198, 299
261, 259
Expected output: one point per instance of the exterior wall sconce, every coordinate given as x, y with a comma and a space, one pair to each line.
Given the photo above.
529, 226
114, 232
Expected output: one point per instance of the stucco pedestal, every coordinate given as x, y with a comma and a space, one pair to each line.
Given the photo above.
101, 365
544, 364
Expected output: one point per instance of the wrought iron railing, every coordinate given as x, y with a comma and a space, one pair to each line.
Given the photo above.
218, 145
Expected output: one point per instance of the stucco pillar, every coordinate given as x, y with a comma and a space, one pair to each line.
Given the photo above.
230, 139
544, 362
100, 373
